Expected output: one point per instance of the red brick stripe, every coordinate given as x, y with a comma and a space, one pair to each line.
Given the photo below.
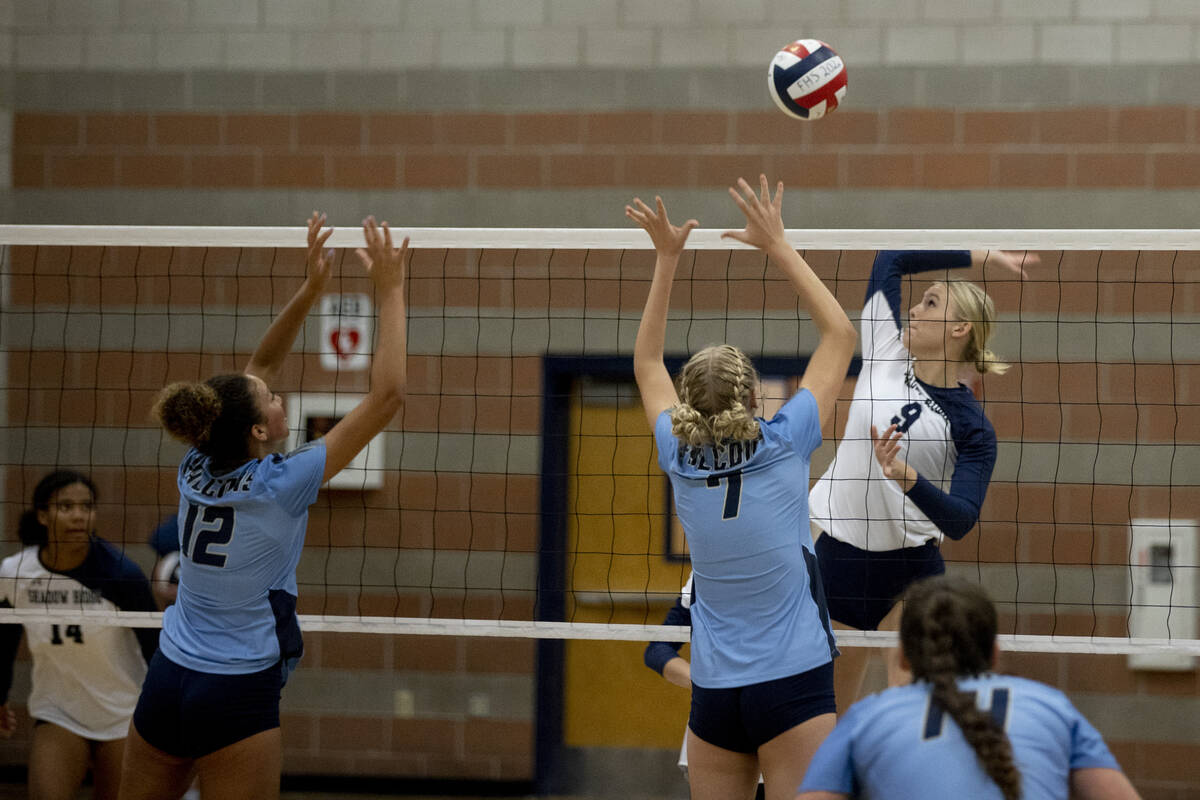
1089, 148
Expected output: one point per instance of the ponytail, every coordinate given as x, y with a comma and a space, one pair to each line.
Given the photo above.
215, 416
948, 630
973, 305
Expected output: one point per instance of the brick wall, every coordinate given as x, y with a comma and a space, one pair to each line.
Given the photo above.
1087, 148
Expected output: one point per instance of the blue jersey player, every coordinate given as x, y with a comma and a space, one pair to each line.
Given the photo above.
959, 730
882, 508
762, 651
210, 702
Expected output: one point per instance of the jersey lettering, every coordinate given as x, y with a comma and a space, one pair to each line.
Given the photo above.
934, 713
908, 415
733, 492
214, 527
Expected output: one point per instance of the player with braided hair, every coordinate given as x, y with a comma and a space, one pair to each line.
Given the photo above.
1030, 742
762, 649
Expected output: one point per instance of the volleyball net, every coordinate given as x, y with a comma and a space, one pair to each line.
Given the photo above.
518, 492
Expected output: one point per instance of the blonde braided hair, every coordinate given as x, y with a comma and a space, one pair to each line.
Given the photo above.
715, 388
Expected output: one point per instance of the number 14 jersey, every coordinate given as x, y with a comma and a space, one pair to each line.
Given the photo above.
86, 677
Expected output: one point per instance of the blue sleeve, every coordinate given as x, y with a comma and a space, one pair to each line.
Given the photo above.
892, 265
165, 538
802, 421
667, 444
1087, 746
957, 512
659, 653
295, 479
832, 767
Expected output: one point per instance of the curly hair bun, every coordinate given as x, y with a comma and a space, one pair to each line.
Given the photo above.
187, 411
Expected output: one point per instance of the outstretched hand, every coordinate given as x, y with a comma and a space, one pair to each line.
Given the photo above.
384, 262
764, 214
320, 260
668, 239
887, 453
1012, 261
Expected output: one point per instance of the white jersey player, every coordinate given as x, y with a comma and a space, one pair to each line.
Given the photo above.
86, 677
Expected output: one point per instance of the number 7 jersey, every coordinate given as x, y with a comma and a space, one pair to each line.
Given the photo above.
758, 612
240, 539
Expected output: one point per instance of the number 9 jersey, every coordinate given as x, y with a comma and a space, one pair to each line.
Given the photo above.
240, 539
759, 608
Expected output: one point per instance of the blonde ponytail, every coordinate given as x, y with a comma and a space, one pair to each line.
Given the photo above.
973, 305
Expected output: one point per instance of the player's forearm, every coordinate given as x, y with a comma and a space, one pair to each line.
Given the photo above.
389, 368
281, 335
679, 672
827, 313
652, 330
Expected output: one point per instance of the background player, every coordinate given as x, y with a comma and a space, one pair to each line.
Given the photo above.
960, 731
882, 507
762, 683
85, 677
211, 698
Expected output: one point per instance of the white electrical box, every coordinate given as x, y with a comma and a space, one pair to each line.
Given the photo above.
1164, 572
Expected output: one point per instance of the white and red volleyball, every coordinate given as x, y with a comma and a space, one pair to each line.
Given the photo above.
807, 79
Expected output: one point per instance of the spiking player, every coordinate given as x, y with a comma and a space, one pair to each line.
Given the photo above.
882, 507
211, 698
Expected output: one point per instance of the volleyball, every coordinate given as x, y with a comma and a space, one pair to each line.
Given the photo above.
807, 79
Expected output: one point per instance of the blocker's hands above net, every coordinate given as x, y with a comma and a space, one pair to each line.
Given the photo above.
668, 239
384, 262
320, 260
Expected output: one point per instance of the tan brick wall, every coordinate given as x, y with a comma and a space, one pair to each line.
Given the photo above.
1091, 148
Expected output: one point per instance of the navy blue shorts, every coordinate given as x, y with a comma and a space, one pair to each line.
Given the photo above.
189, 714
861, 586
745, 718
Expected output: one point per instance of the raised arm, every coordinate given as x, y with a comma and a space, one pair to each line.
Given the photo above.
277, 341
653, 381
826, 371
386, 265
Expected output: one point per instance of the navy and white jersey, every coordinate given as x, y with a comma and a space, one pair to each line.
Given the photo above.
947, 439
240, 538
757, 614
86, 677
897, 744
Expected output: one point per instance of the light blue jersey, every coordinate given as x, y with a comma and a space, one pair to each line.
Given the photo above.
240, 537
895, 745
758, 615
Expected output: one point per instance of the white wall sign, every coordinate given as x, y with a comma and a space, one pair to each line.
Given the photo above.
346, 332
311, 416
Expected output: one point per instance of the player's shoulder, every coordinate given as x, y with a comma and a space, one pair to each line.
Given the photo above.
891, 700
24, 561
113, 562
1035, 690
